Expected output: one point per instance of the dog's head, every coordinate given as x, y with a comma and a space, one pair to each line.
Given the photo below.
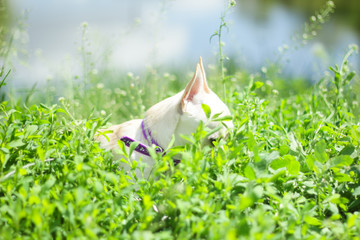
194, 97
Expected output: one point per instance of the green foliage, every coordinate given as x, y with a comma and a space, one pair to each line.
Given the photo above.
289, 169
314, 25
218, 34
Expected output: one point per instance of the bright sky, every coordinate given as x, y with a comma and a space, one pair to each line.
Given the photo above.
139, 33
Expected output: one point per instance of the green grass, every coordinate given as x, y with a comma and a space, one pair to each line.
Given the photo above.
289, 170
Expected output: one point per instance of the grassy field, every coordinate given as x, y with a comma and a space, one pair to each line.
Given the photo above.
289, 169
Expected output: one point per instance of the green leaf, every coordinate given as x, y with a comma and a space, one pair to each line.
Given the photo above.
60, 110
341, 177
278, 163
249, 172
207, 110
272, 156
22, 171
284, 149
16, 143
216, 115
122, 150
342, 160
41, 153
293, 143
212, 131
222, 119
251, 141
288, 161
312, 221
171, 143
351, 220
320, 152
310, 160
5, 150
279, 174
293, 166
256, 85
98, 187
327, 129
30, 130
257, 158
347, 150
147, 202
152, 152
349, 77
190, 139
132, 147
245, 202
106, 119
49, 183
36, 218
356, 191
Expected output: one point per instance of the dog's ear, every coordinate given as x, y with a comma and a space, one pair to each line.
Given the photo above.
197, 85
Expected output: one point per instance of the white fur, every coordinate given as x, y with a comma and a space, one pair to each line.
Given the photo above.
178, 115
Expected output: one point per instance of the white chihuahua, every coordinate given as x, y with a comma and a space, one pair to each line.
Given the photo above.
178, 115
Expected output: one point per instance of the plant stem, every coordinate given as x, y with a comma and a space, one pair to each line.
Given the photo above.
222, 70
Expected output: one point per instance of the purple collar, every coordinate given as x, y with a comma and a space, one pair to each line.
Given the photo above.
142, 148
148, 137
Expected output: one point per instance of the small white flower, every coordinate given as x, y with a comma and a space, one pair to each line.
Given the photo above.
130, 75
331, 4
269, 83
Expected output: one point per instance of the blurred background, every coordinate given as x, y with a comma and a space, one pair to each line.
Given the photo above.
52, 37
